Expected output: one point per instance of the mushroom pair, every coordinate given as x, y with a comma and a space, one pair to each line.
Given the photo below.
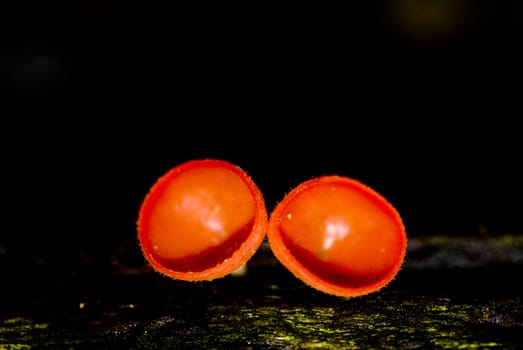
205, 218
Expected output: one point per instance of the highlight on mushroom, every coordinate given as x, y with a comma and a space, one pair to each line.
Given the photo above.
201, 220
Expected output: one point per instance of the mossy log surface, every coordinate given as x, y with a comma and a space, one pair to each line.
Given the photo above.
452, 293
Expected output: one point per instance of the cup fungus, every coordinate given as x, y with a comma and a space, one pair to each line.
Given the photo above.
338, 236
201, 220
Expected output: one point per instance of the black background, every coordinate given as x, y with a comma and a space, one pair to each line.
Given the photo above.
103, 97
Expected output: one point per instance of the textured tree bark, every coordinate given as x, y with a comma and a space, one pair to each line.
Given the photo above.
452, 292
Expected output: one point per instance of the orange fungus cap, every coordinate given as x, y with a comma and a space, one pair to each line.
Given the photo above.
201, 220
338, 236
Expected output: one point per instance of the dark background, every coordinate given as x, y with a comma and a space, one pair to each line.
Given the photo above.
420, 102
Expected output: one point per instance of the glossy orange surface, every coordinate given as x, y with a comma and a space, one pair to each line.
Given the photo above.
338, 235
202, 220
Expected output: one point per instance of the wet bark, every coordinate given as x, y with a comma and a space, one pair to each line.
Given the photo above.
452, 292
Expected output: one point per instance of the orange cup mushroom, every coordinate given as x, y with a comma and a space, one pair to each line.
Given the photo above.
338, 236
202, 220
